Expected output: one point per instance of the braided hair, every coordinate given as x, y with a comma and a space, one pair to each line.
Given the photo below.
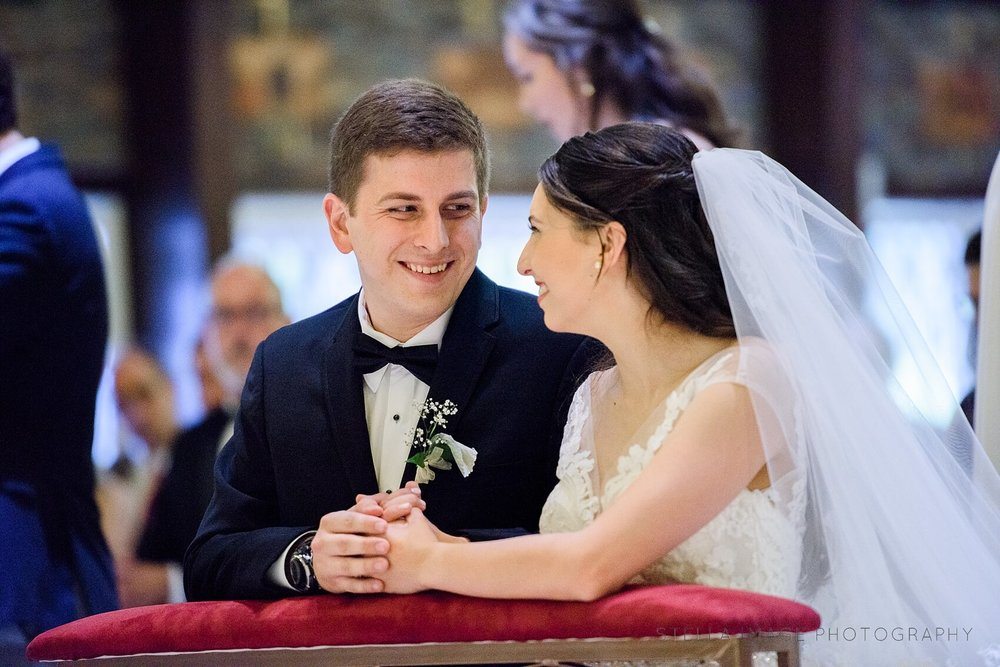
628, 63
640, 175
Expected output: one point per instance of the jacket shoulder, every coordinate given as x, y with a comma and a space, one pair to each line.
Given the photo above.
520, 312
519, 306
40, 180
315, 329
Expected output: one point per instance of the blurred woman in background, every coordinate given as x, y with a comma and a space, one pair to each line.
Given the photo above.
587, 64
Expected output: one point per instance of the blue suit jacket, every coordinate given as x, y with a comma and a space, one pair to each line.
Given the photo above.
53, 328
300, 447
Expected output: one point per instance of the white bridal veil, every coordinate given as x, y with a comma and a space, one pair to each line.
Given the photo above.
901, 543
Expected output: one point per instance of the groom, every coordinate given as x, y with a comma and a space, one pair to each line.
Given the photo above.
330, 401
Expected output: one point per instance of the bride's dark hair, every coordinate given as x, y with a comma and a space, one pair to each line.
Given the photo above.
627, 62
640, 175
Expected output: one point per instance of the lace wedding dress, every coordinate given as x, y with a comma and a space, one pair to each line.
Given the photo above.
751, 545
892, 531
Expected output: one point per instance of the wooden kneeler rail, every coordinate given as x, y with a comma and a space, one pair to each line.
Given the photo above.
725, 651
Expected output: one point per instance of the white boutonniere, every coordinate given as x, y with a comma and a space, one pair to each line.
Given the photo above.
435, 448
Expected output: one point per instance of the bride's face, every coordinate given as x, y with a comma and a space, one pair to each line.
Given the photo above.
561, 259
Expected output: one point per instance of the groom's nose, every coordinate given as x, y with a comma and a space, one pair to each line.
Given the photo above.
432, 233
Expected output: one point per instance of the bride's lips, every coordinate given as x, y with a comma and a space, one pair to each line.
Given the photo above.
542, 291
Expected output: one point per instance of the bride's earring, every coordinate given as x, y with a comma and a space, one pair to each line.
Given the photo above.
587, 89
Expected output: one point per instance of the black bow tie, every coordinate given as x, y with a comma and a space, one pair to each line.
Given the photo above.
371, 355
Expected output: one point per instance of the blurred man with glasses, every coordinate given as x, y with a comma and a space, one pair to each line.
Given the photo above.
245, 308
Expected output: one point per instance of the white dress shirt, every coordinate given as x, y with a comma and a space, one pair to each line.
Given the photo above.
393, 398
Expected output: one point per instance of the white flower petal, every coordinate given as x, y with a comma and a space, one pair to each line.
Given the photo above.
465, 457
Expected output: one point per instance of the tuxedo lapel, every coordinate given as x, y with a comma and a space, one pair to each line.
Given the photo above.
345, 405
465, 348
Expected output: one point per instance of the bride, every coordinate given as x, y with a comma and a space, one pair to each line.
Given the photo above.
749, 433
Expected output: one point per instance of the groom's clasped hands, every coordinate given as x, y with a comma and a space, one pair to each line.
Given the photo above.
377, 545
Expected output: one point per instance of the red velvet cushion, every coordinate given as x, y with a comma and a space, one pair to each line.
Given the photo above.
338, 620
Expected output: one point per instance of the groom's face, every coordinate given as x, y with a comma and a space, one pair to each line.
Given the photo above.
415, 229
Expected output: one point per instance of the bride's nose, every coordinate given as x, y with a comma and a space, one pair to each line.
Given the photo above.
523, 262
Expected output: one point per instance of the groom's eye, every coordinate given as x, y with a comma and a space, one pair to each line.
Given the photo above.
457, 210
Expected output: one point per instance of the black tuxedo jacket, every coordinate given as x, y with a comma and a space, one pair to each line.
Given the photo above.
300, 447
184, 494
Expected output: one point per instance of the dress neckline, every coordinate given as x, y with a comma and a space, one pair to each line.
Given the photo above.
598, 488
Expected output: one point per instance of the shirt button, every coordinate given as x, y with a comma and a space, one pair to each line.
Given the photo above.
395, 418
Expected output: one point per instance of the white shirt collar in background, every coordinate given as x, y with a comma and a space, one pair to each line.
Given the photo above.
15, 152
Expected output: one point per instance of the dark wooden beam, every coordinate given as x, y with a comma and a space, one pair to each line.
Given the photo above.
167, 236
812, 63
212, 121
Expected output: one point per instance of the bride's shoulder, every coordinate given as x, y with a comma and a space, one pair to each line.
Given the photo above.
751, 360
757, 364
755, 350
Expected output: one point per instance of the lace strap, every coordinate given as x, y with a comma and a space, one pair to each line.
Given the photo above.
575, 419
681, 397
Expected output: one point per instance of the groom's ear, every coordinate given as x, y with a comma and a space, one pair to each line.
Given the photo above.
337, 212
613, 241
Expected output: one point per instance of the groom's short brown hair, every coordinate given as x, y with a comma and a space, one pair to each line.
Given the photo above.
399, 115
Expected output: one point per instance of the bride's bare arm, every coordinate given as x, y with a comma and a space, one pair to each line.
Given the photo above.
713, 452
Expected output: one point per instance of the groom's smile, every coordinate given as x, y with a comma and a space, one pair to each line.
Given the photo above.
426, 270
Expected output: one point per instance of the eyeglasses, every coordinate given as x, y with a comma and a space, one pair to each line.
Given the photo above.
255, 314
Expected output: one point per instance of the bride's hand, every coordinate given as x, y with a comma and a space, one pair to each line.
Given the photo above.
391, 505
398, 504
412, 541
